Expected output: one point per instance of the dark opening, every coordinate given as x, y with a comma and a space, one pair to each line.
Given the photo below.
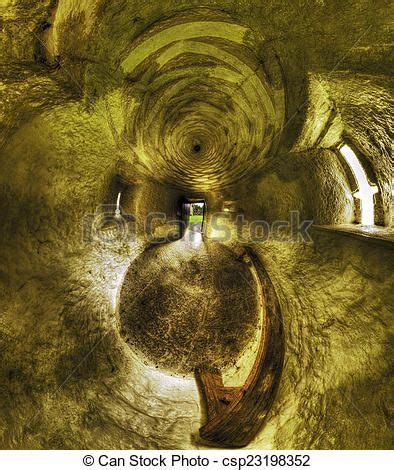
197, 148
193, 212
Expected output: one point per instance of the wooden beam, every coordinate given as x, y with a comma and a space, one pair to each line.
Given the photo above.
236, 414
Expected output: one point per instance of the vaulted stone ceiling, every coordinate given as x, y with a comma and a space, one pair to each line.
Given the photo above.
201, 111
212, 78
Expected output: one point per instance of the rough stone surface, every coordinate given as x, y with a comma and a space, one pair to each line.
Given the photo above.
189, 304
68, 133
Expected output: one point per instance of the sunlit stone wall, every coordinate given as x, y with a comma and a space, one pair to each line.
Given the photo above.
93, 93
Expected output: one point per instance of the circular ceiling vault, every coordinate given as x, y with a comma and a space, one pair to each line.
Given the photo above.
205, 100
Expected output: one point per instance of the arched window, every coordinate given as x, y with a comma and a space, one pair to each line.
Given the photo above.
365, 191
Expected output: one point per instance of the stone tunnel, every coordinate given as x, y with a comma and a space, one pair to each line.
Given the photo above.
196, 224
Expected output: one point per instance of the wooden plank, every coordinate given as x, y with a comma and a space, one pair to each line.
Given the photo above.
235, 415
217, 396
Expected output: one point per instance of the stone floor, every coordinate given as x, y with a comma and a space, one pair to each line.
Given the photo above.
188, 304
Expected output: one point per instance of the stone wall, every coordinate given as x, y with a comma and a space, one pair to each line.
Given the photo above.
68, 145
